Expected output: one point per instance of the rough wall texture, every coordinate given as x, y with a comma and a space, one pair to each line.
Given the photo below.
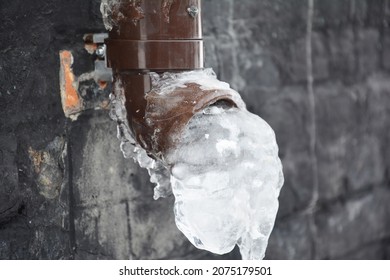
66, 191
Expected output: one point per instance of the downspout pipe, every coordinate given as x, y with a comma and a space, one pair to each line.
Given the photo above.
157, 36
211, 157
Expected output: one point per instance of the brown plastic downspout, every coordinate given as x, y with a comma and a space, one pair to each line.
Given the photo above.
157, 36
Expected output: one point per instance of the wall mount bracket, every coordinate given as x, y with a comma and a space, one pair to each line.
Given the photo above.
89, 90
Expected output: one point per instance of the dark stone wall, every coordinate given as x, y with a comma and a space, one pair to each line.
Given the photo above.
66, 191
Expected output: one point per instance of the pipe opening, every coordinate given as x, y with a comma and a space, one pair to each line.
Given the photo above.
224, 104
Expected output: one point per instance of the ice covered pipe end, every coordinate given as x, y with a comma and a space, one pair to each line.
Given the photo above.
190, 130
221, 162
173, 100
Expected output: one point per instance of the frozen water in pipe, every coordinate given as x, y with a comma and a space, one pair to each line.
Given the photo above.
106, 8
225, 173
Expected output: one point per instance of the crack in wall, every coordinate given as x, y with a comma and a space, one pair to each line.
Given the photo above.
382, 33
129, 231
312, 125
72, 230
312, 105
236, 81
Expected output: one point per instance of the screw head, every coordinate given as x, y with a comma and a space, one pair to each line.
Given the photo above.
193, 11
101, 51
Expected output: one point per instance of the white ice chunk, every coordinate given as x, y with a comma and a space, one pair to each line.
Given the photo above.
229, 195
225, 173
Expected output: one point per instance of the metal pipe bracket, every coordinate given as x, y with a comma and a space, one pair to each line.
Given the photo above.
89, 90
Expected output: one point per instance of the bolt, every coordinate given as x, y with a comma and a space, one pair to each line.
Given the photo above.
193, 11
101, 51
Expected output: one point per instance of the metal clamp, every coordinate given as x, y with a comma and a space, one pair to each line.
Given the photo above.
90, 90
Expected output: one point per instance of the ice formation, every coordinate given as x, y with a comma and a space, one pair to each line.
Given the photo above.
106, 8
226, 178
225, 173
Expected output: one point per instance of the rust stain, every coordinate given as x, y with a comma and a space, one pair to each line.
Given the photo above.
45, 163
37, 158
166, 9
88, 38
131, 10
71, 102
90, 47
105, 105
102, 84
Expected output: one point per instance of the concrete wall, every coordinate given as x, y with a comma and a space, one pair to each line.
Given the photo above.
66, 191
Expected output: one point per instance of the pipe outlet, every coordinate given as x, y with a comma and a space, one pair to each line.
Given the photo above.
190, 130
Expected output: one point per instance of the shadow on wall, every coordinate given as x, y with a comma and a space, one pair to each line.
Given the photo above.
66, 191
